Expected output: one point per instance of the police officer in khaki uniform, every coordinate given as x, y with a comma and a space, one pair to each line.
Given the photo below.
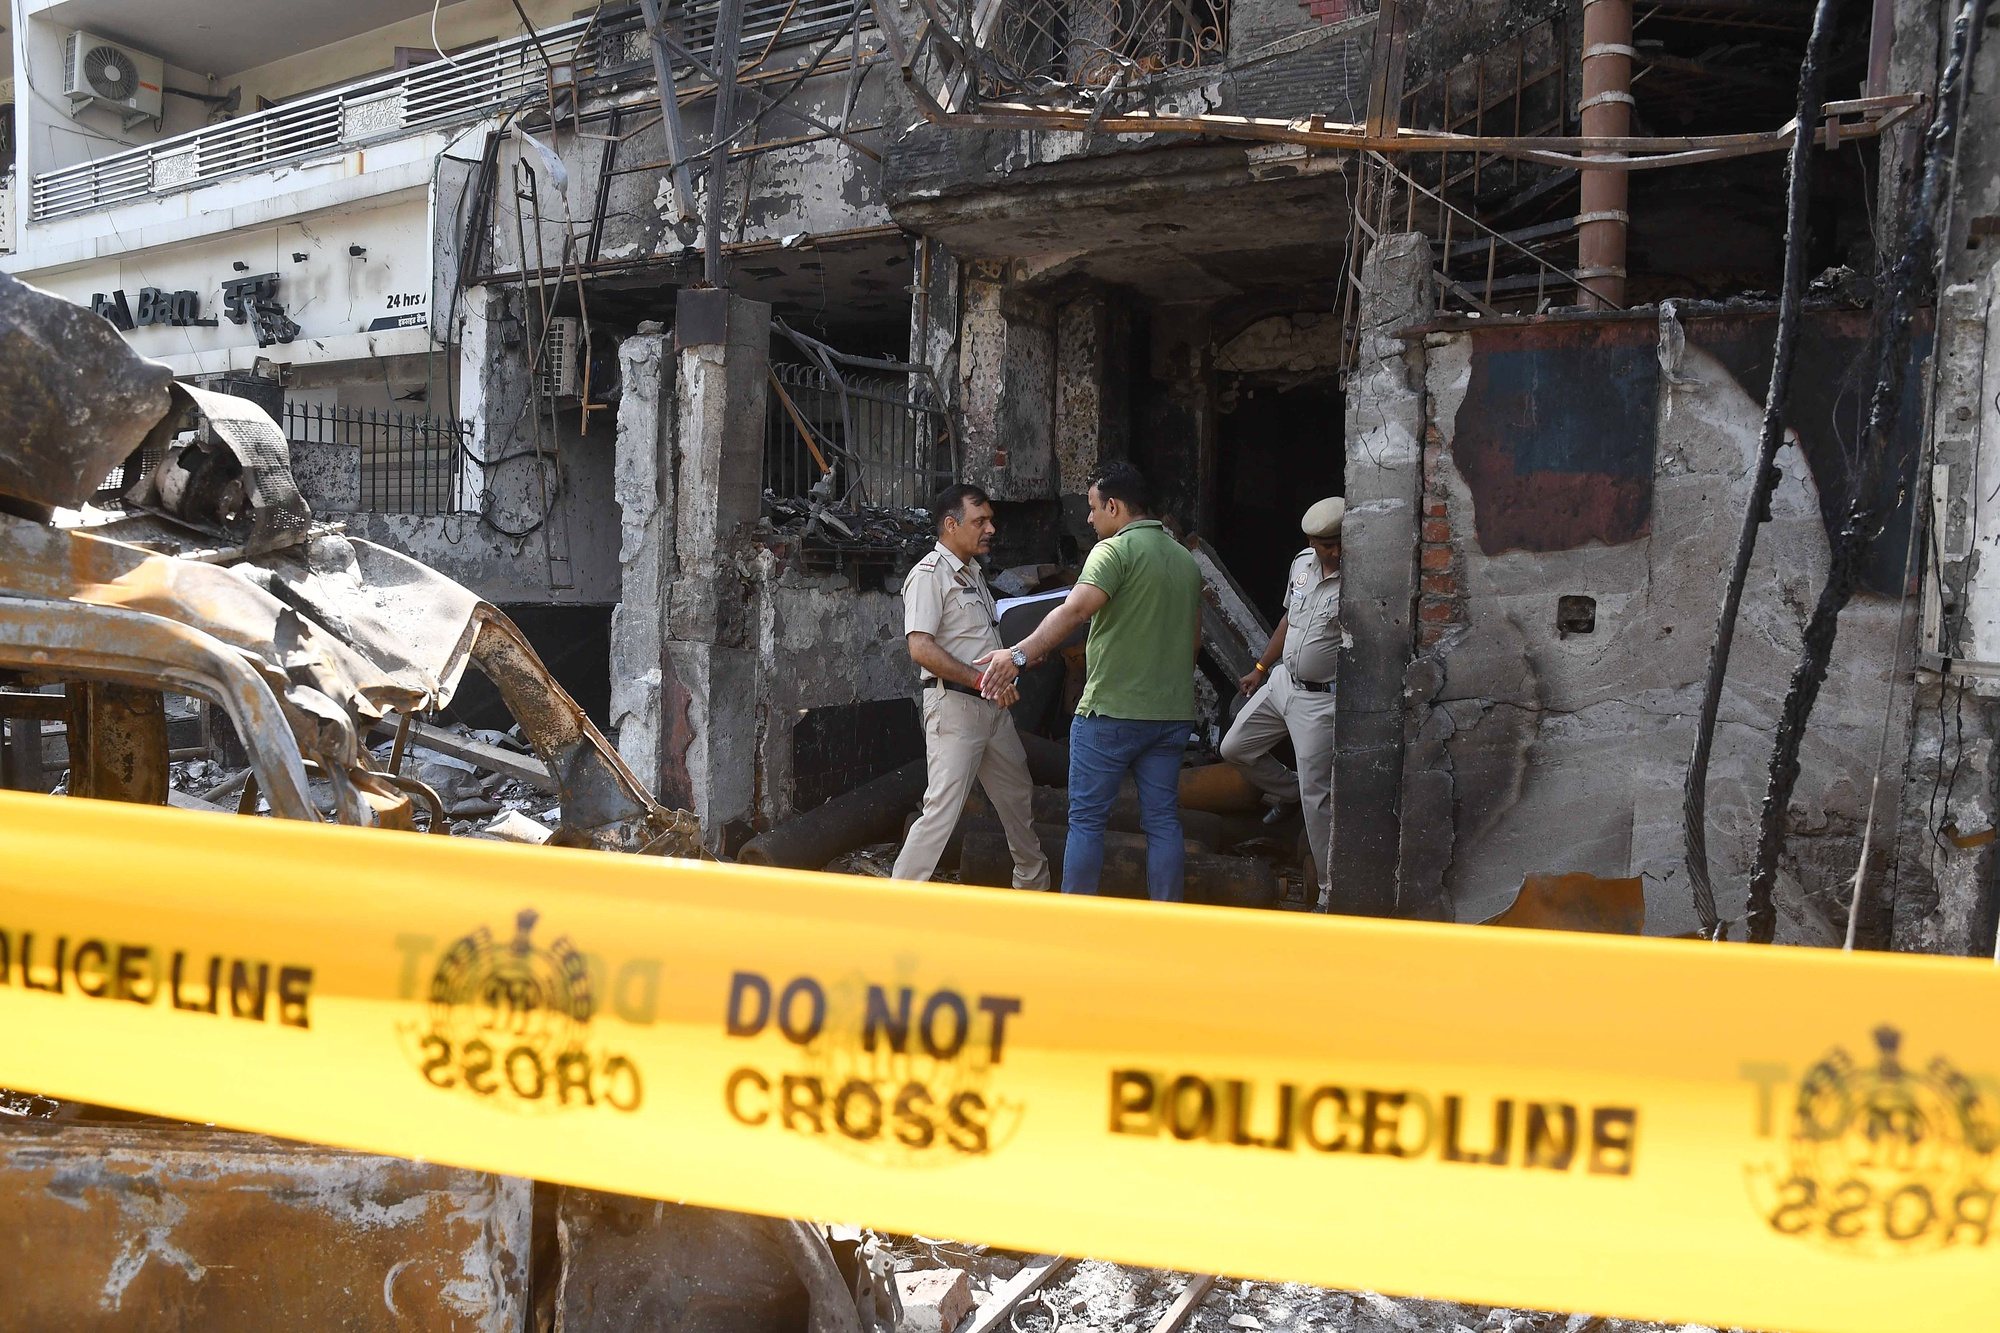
1291, 689
950, 621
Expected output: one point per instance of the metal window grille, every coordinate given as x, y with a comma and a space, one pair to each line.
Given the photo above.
1091, 42
885, 439
405, 464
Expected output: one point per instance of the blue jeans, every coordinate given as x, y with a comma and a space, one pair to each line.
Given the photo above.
1101, 749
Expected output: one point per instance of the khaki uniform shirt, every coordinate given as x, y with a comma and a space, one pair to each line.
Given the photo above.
1312, 606
948, 600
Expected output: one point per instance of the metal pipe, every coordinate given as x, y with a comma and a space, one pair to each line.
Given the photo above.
1606, 110
728, 35
1881, 38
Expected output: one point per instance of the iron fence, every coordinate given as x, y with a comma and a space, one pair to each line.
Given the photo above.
404, 464
861, 438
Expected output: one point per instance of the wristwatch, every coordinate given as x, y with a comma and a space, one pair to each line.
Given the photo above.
1020, 659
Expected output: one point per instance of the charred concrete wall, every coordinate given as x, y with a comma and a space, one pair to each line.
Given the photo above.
1944, 890
1584, 485
811, 188
824, 640
532, 520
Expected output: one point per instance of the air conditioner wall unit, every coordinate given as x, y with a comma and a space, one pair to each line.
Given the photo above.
117, 78
562, 357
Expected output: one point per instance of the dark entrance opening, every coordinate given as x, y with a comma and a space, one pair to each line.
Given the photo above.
1279, 448
574, 642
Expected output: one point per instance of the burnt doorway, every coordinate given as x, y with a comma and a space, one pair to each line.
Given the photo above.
1279, 448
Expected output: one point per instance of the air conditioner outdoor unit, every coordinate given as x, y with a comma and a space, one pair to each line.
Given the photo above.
562, 358
117, 78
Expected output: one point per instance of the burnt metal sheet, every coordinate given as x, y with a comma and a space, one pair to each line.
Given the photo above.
168, 1227
233, 480
1556, 434
75, 399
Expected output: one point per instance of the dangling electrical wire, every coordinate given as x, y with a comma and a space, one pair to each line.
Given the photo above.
1905, 288
1757, 511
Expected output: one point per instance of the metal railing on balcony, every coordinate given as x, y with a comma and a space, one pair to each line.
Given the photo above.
876, 439
381, 107
470, 85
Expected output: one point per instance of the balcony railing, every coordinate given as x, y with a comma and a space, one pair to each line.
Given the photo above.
473, 84
883, 437
381, 107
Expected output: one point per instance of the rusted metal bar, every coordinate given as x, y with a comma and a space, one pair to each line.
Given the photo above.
1385, 74
29, 704
118, 743
402, 737
1597, 152
997, 1313
799, 422
1184, 1304
1880, 37
1606, 112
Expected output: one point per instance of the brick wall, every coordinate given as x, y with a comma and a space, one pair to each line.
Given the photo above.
1328, 11
1440, 569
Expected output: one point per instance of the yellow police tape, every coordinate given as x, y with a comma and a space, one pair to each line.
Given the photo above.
1772, 1138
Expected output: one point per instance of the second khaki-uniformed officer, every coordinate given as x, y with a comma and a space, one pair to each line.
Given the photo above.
950, 621
1291, 689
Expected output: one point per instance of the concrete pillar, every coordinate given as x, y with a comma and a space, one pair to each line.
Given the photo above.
482, 320
1945, 896
1178, 418
708, 687
1093, 420
1385, 424
643, 470
1006, 386
1944, 899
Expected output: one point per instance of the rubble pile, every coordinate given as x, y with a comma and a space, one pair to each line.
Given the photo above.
1090, 1296
833, 532
478, 802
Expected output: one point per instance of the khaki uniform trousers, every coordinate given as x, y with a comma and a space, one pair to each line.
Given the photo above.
967, 737
1280, 708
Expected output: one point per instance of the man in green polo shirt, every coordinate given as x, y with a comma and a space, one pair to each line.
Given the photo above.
1141, 592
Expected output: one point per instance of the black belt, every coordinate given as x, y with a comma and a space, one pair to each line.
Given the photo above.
1314, 686
939, 682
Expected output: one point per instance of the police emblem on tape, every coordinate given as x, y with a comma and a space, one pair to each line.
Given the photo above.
510, 1023
1885, 1157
